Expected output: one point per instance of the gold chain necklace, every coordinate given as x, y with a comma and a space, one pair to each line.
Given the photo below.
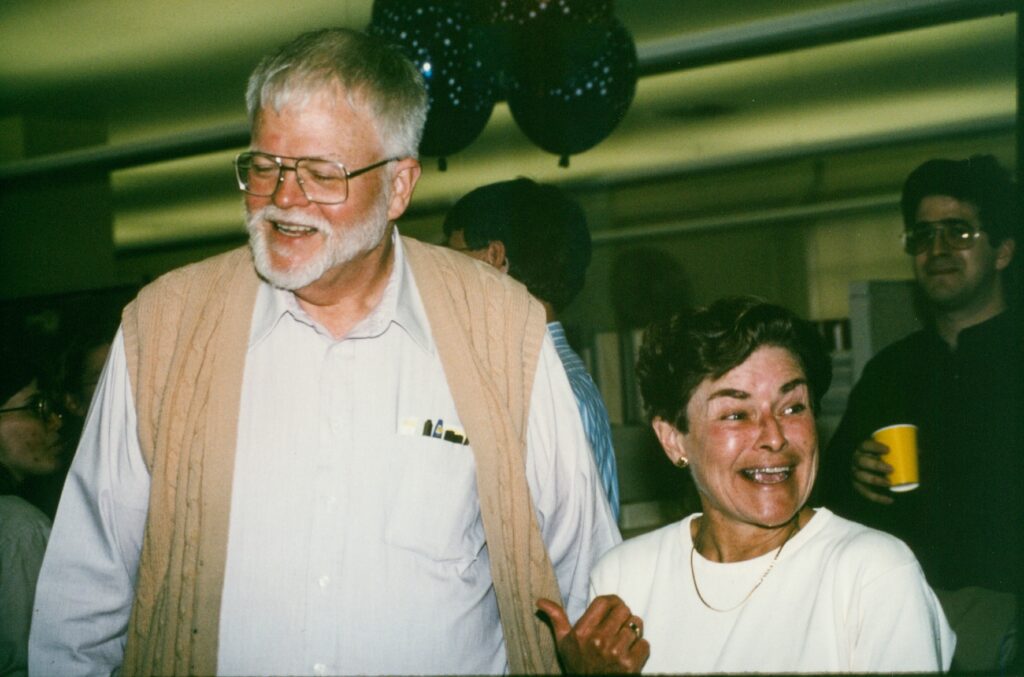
693, 571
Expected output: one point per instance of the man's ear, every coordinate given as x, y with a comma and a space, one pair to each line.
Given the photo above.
403, 182
495, 255
1005, 252
671, 441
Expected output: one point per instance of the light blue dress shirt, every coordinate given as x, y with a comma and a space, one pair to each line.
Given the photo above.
593, 413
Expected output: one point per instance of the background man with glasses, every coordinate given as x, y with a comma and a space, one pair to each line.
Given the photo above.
30, 446
961, 381
336, 451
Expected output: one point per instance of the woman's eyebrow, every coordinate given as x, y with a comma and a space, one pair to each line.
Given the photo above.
730, 392
793, 385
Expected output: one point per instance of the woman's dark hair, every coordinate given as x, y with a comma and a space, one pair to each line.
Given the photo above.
694, 344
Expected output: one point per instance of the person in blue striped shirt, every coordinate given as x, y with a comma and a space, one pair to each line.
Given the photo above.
538, 235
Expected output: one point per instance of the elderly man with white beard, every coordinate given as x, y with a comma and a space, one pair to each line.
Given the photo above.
336, 451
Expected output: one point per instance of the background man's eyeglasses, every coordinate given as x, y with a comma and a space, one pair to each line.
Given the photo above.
41, 406
956, 234
322, 181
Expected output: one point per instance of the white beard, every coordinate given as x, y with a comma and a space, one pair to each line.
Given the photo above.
337, 248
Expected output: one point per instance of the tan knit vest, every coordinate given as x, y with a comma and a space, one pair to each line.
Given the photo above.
186, 337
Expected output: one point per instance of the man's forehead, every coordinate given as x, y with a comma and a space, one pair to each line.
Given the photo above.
323, 124
944, 208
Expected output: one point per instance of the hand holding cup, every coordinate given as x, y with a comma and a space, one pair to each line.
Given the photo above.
886, 463
901, 455
871, 473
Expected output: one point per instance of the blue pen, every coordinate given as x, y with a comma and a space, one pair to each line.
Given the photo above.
439, 428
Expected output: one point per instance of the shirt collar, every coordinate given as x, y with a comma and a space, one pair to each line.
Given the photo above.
998, 326
400, 304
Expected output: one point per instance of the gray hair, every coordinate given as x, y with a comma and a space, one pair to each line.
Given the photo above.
370, 71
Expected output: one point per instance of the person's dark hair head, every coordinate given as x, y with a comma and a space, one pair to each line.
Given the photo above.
979, 180
79, 370
544, 231
678, 353
22, 358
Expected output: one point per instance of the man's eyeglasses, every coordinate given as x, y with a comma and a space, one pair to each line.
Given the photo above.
322, 181
955, 233
41, 406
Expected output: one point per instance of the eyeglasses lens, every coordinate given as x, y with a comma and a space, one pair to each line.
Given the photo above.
40, 406
44, 409
257, 174
322, 181
954, 235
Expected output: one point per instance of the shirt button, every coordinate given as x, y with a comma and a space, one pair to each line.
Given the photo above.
324, 581
320, 669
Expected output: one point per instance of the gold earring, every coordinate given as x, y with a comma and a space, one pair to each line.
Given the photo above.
681, 462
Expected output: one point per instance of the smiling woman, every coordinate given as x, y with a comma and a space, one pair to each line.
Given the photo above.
758, 581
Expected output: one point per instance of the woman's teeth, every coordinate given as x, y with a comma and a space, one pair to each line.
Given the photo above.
768, 475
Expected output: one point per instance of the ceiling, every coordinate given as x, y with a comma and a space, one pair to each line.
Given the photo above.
726, 83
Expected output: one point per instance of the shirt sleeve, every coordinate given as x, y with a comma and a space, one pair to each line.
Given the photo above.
22, 544
575, 519
87, 582
911, 635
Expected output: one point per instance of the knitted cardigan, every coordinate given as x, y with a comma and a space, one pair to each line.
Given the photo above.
186, 337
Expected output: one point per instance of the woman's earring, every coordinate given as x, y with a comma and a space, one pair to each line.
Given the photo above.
681, 462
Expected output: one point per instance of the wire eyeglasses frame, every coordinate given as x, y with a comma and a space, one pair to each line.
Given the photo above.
322, 180
955, 233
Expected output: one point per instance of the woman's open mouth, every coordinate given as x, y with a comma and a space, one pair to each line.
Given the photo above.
768, 475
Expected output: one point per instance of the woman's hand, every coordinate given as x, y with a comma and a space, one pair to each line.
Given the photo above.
608, 638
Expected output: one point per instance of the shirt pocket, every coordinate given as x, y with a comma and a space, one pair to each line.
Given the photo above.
435, 512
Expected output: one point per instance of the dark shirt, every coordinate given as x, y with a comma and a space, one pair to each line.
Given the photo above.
965, 522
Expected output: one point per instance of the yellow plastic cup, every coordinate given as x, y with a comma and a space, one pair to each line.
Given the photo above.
902, 456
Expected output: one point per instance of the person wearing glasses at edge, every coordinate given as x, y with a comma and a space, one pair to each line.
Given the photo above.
360, 455
758, 581
30, 446
960, 380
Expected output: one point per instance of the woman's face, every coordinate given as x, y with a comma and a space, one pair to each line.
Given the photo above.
28, 445
752, 445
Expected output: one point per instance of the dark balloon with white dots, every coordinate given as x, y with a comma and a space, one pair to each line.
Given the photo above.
525, 11
568, 68
439, 37
572, 83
